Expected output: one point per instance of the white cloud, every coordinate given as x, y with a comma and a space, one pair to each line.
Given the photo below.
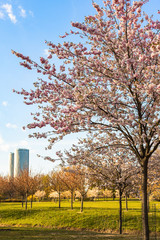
46, 52
6, 146
31, 13
1, 15
10, 125
1, 140
8, 9
3, 146
22, 12
5, 103
23, 143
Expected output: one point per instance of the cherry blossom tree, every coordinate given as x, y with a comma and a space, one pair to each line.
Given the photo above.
40, 194
154, 176
54, 194
66, 195
45, 185
7, 187
82, 183
71, 181
109, 82
34, 184
112, 167
23, 186
107, 193
57, 184
93, 193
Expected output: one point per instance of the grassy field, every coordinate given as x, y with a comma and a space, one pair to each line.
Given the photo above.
62, 234
100, 216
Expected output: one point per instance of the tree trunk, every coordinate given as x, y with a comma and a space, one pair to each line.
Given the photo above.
81, 203
26, 202
148, 193
31, 201
22, 202
71, 199
126, 199
59, 200
145, 201
120, 211
113, 194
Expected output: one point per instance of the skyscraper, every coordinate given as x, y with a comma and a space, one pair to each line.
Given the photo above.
21, 161
11, 164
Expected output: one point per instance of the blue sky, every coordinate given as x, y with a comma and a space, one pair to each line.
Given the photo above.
24, 26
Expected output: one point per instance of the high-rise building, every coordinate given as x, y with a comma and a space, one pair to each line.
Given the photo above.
21, 161
11, 164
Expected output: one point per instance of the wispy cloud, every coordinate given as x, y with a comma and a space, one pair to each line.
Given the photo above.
46, 52
10, 146
1, 15
31, 13
8, 8
10, 125
1, 140
3, 146
22, 12
5, 103
23, 143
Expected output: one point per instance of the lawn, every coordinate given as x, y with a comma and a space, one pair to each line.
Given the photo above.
59, 234
100, 216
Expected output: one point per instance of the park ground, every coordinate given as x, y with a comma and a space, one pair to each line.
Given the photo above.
99, 220
19, 233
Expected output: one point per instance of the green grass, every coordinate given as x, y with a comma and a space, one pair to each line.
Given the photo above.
97, 215
60, 234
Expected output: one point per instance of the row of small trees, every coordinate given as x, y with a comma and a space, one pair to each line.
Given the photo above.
80, 182
19, 187
114, 176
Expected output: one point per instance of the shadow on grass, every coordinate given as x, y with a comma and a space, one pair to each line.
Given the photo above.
58, 234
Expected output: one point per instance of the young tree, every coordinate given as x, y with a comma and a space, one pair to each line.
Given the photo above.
93, 193
40, 195
66, 195
7, 187
22, 185
57, 184
54, 194
154, 176
79, 180
112, 84
112, 167
71, 181
44, 180
34, 183
107, 193
82, 183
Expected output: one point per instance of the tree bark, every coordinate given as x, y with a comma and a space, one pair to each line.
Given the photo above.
145, 201
120, 211
113, 194
31, 201
126, 199
59, 199
26, 202
81, 203
22, 202
71, 199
